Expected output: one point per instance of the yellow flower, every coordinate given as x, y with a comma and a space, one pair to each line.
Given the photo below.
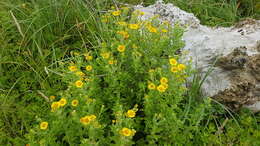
121, 48
134, 26
88, 57
113, 121
161, 88
55, 106
130, 113
151, 86
122, 23
116, 13
174, 69
164, 80
165, 86
75, 102
181, 67
52, 97
124, 34
85, 120
80, 73
127, 132
63, 102
173, 61
89, 67
152, 29
79, 83
105, 55
164, 30
73, 68
44, 125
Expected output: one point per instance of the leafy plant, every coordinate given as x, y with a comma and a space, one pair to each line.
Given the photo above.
132, 78
72, 74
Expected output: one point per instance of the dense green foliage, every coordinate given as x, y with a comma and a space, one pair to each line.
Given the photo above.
40, 39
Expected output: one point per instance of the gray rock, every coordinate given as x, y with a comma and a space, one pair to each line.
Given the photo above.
232, 53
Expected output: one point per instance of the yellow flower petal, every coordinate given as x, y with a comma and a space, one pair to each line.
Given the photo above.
44, 125
116, 13
75, 102
121, 48
130, 113
173, 61
79, 83
134, 26
89, 67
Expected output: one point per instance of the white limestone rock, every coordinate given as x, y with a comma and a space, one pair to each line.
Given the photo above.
235, 78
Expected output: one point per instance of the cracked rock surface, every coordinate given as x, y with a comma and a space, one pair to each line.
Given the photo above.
232, 52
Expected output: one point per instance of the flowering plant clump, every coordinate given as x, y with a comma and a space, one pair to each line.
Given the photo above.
129, 90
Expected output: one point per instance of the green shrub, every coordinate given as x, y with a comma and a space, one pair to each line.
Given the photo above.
130, 89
